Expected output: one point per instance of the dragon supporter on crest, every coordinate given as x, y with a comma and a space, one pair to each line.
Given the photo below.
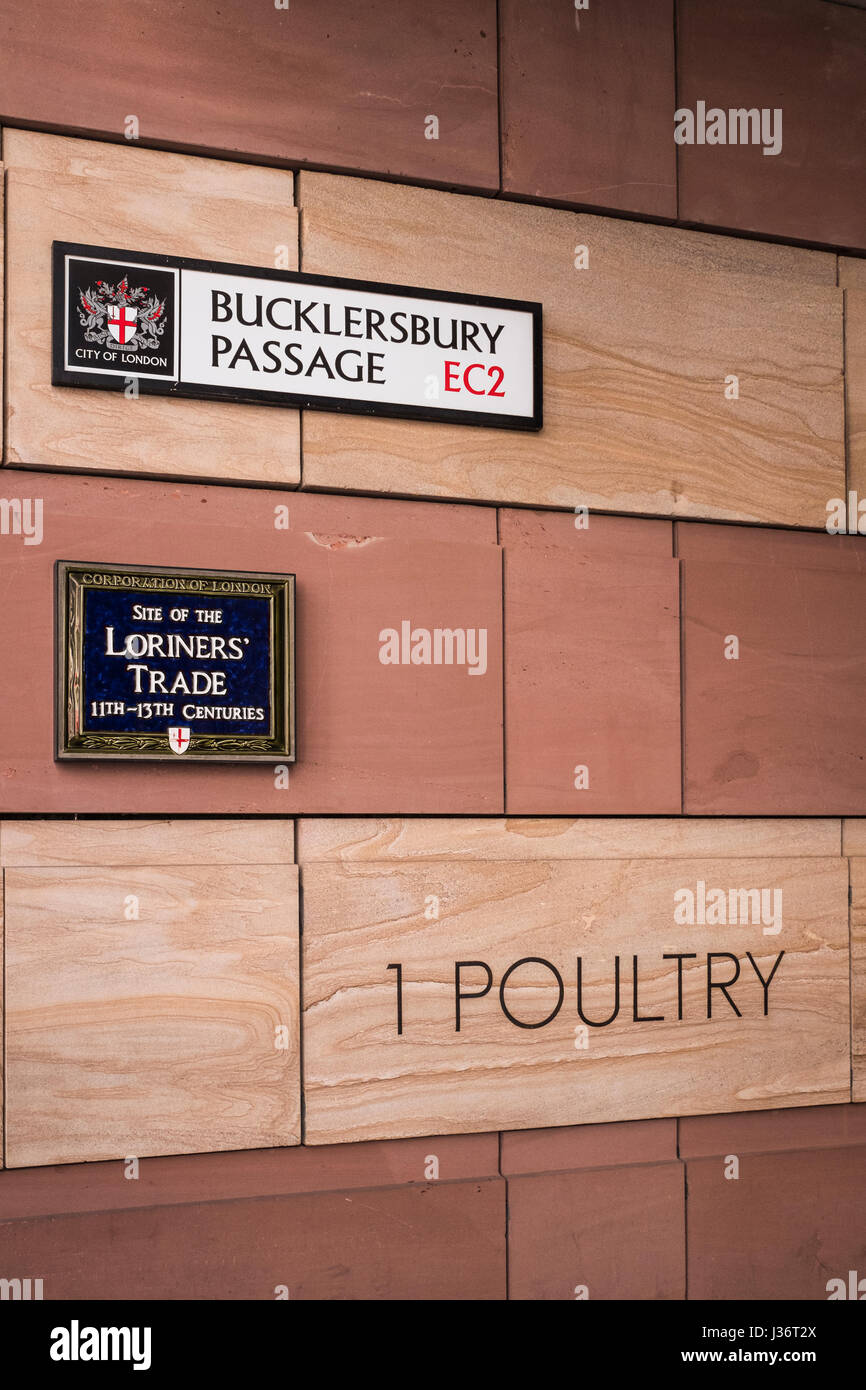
116, 313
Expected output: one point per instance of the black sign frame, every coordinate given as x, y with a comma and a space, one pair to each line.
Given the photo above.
73, 741
62, 375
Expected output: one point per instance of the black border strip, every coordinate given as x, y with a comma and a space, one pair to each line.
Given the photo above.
62, 376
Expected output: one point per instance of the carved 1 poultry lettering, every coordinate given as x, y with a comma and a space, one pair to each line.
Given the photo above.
616, 996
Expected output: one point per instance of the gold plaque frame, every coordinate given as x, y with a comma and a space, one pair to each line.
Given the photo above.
73, 740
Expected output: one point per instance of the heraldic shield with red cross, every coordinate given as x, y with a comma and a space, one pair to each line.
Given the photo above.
121, 322
178, 738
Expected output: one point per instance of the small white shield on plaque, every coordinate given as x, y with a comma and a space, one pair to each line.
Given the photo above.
178, 739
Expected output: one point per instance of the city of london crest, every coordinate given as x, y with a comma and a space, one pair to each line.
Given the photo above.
132, 318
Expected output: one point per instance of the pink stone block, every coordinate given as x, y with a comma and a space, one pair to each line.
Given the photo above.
592, 681
781, 729
610, 1233
763, 545
528, 1151
593, 535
